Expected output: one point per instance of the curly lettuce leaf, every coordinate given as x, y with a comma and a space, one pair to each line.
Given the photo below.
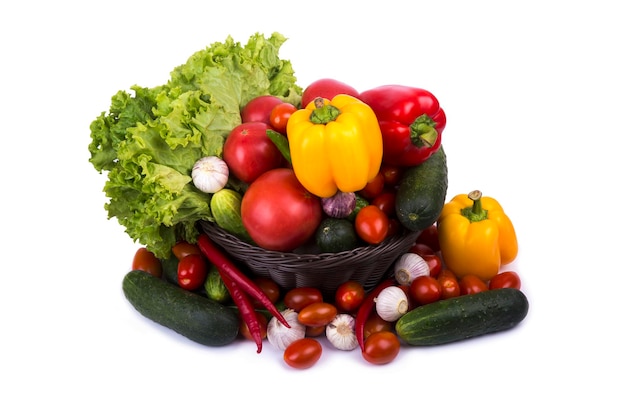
150, 138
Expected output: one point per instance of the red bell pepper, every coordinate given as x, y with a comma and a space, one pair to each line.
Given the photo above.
411, 122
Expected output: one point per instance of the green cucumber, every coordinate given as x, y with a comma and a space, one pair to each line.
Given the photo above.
463, 317
226, 210
422, 192
192, 315
336, 235
214, 286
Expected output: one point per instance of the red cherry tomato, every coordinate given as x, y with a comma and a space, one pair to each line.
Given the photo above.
391, 174
425, 290
259, 109
245, 331
371, 224
146, 261
506, 279
269, 287
317, 314
374, 187
280, 116
303, 353
182, 249
375, 324
450, 287
300, 297
472, 284
314, 331
430, 238
192, 272
434, 263
349, 296
381, 348
386, 201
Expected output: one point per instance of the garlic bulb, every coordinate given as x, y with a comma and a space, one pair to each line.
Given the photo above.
340, 332
210, 174
281, 336
392, 303
410, 266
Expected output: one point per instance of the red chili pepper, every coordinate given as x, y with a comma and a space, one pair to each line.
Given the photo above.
366, 308
227, 267
246, 309
411, 122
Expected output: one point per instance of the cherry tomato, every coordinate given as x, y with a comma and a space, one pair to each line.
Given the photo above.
394, 227
146, 261
192, 272
245, 332
269, 287
391, 174
317, 314
314, 331
375, 324
506, 279
303, 353
386, 201
182, 249
280, 115
371, 224
434, 263
430, 238
349, 296
298, 298
374, 187
472, 284
259, 109
381, 348
425, 290
450, 287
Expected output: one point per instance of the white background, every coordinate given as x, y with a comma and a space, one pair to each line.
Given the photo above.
535, 95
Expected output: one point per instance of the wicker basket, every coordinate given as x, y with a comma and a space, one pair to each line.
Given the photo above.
326, 271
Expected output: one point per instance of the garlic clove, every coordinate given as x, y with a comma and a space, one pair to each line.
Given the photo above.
340, 332
210, 174
410, 266
392, 303
281, 336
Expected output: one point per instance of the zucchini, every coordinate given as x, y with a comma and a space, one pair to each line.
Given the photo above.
336, 235
422, 192
192, 315
463, 317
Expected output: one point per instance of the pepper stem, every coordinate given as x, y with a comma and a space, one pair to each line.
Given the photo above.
323, 113
475, 213
423, 133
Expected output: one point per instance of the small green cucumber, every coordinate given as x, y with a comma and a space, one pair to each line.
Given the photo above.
192, 315
463, 317
422, 192
226, 210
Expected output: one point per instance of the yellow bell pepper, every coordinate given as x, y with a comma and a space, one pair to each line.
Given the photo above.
475, 236
335, 145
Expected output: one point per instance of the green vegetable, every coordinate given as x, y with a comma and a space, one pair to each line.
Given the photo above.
336, 235
226, 209
192, 315
463, 317
214, 286
150, 138
422, 192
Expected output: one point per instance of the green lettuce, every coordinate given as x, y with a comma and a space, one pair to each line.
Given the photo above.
150, 138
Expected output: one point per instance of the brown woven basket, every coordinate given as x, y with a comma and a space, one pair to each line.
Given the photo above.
326, 271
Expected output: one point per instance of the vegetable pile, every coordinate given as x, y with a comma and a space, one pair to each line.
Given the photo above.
232, 139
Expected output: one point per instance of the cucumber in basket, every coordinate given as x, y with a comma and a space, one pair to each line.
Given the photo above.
226, 210
422, 192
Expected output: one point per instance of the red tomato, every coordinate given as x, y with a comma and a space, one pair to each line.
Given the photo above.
371, 224
146, 261
192, 272
303, 353
349, 296
430, 238
394, 227
314, 331
249, 152
278, 212
182, 249
381, 348
450, 287
421, 249
298, 298
375, 324
326, 88
386, 201
259, 109
374, 187
317, 314
245, 331
425, 290
434, 263
280, 115
472, 284
506, 279
269, 287
391, 174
